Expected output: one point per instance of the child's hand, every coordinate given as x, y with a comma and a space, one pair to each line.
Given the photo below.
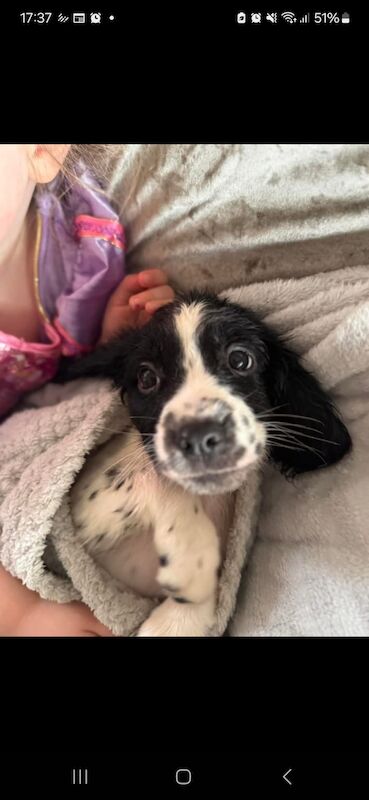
24, 613
45, 618
134, 301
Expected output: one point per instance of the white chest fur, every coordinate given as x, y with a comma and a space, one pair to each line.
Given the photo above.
148, 533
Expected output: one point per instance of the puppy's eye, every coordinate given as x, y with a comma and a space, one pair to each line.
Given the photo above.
147, 379
239, 359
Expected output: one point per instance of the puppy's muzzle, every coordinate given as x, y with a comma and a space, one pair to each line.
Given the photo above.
205, 439
203, 443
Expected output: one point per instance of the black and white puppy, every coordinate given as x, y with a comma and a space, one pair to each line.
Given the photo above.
209, 392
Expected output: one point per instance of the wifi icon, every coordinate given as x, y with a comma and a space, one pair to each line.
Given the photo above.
288, 16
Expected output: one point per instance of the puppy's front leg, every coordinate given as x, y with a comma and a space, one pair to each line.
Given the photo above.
189, 557
172, 619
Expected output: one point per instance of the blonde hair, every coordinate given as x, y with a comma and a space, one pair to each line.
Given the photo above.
100, 159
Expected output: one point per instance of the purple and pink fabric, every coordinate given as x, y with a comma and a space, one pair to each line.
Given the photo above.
78, 263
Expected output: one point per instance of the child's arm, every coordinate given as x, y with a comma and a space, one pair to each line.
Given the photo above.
134, 301
25, 613
22, 611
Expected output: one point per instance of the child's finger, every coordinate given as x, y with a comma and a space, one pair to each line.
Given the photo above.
152, 277
139, 300
116, 320
143, 318
153, 305
128, 286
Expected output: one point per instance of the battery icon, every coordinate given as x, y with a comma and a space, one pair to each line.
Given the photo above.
345, 17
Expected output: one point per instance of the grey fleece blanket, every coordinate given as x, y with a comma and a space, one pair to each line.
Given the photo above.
290, 225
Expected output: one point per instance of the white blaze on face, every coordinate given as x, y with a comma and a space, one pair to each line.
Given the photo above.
201, 394
197, 379
188, 322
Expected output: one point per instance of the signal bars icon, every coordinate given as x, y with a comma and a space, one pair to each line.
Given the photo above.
305, 18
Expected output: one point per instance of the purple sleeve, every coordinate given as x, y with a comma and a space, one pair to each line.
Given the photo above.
81, 257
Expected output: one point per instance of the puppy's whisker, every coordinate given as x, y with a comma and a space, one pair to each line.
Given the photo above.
285, 446
293, 440
251, 394
270, 410
287, 435
264, 414
287, 429
290, 425
282, 442
131, 460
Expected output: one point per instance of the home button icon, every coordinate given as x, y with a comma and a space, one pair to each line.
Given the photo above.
183, 777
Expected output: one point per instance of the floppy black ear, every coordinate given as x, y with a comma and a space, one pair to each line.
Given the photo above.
300, 405
107, 361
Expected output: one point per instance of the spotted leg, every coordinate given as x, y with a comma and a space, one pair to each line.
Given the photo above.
189, 558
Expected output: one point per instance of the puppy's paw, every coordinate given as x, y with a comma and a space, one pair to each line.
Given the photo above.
175, 619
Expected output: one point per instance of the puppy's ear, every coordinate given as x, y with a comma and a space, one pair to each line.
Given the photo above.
301, 405
107, 361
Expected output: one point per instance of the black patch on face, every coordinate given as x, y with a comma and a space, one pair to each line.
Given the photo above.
163, 561
93, 494
226, 324
181, 600
158, 344
119, 484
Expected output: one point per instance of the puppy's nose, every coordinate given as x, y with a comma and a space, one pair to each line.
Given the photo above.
204, 438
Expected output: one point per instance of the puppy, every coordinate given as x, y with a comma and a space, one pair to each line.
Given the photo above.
208, 393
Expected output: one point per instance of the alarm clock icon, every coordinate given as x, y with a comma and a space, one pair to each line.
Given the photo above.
95, 17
